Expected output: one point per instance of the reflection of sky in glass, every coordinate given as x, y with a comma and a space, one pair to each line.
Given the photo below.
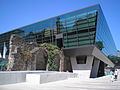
67, 23
104, 35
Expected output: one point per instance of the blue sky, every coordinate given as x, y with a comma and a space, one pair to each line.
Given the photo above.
18, 13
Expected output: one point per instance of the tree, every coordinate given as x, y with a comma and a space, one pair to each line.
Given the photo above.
115, 59
52, 52
99, 45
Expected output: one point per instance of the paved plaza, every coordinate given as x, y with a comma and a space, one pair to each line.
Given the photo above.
102, 83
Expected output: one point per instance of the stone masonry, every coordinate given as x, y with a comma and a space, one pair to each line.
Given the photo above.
36, 61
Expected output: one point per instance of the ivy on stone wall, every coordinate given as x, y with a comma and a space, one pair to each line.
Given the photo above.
27, 55
52, 52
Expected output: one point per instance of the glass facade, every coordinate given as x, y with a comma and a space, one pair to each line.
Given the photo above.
103, 35
81, 27
6, 38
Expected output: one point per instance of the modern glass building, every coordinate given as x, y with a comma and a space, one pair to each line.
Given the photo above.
81, 27
78, 33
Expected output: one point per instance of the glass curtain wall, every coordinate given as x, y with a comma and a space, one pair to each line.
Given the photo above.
5, 38
103, 35
78, 28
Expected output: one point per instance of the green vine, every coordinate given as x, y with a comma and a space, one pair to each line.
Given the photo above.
52, 52
27, 55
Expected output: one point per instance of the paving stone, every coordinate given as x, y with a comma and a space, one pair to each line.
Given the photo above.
102, 83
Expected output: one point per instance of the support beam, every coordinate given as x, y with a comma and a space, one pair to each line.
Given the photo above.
83, 70
95, 67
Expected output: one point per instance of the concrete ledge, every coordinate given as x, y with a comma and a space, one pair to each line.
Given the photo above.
13, 77
48, 77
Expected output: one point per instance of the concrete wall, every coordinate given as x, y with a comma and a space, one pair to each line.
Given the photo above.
13, 77
48, 77
83, 70
98, 54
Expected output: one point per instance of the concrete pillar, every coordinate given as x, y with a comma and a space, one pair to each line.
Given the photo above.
95, 67
101, 69
83, 70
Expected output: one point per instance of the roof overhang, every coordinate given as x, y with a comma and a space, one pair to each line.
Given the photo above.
87, 50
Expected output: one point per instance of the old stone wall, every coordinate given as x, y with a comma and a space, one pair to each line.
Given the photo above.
18, 61
30, 56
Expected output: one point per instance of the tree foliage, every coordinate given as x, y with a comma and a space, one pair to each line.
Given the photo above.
115, 59
99, 45
27, 55
52, 52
